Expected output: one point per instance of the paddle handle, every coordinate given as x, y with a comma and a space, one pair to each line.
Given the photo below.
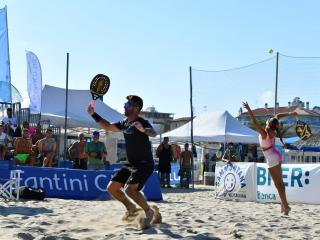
92, 103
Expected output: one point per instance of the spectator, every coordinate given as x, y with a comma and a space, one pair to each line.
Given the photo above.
3, 143
37, 135
23, 149
219, 152
10, 119
78, 154
47, 148
186, 158
96, 152
10, 136
25, 125
17, 132
230, 155
164, 152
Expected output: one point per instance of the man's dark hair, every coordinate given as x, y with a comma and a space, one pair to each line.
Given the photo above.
136, 101
165, 139
9, 109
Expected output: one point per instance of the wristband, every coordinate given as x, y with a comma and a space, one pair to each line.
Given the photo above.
96, 117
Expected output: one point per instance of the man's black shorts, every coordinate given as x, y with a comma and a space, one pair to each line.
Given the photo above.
130, 174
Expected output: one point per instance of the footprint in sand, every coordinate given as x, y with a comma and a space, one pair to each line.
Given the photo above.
240, 224
45, 223
83, 230
61, 221
38, 229
192, 231
25, 236
199, 221
12, 226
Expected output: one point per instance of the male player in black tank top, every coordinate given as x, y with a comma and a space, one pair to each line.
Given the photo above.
140, 166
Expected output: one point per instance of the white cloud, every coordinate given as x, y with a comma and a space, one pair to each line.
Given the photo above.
266, 97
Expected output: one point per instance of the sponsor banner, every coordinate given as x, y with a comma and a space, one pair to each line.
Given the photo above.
301, 182
5, 77
79, 184
235, 181
174, 177
34, 80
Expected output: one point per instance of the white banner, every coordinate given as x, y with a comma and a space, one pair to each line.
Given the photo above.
301, 181
34, 82
235, 181
5, 76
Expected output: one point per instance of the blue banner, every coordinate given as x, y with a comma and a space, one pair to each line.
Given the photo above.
5, 77
78, 184
174, 177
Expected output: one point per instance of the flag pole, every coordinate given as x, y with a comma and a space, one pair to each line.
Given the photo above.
191, 113
66, 112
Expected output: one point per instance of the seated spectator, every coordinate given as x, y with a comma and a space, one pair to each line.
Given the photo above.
23, 149
25, 125
17, 132
77, 153
10, 119
47, 148
10, 135
3, 143
37, 135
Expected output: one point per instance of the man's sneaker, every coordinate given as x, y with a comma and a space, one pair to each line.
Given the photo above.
129, 213
149, 216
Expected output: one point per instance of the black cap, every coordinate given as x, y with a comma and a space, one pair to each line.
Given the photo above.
136, 101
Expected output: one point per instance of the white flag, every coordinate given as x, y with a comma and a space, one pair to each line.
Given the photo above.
34, 82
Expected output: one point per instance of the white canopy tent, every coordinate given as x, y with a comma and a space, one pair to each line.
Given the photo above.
53, 108
214, 127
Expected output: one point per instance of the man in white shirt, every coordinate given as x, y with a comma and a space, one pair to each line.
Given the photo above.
10, 119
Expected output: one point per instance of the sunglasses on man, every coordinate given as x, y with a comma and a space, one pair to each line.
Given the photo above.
128, 105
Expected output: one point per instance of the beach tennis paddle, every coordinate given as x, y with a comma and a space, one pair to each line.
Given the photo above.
99, 86
303, 130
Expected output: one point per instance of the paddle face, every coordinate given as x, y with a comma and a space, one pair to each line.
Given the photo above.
303, 130
99, 86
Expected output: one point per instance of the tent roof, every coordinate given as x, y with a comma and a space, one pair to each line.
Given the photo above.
214, 127
53, 108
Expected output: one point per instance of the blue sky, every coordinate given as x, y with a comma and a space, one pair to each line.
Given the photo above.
146, 48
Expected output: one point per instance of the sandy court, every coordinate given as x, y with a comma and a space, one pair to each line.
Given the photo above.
187, 214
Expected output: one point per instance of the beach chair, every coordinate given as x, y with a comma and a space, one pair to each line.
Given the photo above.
11, 185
